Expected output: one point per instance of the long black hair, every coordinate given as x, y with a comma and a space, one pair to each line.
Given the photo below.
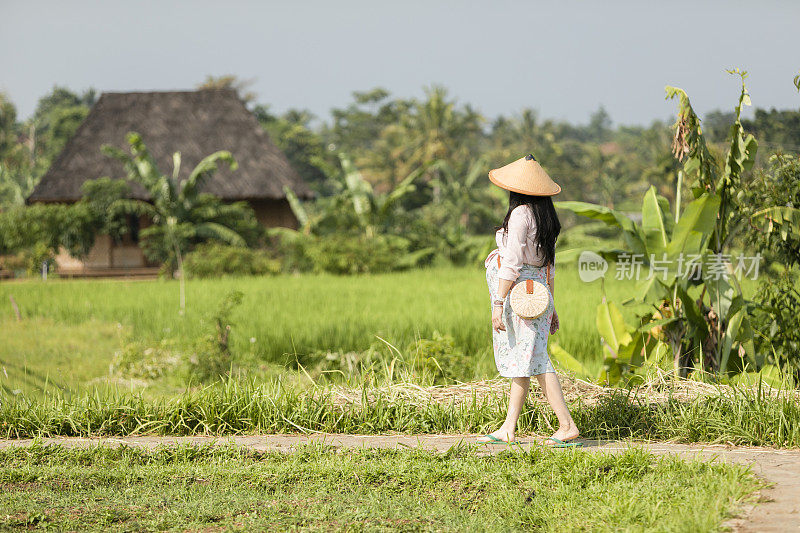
547, 224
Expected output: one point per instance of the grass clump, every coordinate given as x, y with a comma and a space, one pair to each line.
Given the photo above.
318, 488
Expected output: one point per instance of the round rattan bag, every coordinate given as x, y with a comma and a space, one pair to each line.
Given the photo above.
529, 300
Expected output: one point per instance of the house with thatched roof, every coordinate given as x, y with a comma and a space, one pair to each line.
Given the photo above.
194, 123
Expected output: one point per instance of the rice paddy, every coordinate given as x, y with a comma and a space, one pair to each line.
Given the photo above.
282, 320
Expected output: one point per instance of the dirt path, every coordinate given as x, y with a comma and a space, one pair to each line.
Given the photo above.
778, 508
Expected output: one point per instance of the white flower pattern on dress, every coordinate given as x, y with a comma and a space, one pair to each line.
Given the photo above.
520, 350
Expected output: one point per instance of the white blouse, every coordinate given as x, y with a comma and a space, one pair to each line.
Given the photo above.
518, 245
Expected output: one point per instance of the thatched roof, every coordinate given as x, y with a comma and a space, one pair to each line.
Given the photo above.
195, 123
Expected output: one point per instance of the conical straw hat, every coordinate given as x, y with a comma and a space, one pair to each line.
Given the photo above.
526, 176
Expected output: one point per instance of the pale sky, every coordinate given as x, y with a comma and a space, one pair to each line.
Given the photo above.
563, 59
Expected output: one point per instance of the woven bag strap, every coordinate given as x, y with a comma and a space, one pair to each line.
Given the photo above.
547, 279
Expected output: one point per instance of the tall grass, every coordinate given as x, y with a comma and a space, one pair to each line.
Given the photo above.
741, 416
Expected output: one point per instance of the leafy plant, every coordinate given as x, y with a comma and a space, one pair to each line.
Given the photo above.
699, 315
137, 360
211, 358
181, 215
657, 238
15, 185
778, 322
439, 358
348, 254
774, 230
215, 260
354, 203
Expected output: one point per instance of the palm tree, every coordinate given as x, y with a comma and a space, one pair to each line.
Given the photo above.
436, 129
462, 194
181, 216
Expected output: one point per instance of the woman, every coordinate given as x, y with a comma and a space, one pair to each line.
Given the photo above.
526, 250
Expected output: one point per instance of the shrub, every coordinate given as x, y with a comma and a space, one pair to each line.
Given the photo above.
29, 260
211, 357
777, 321
136, 360
291, 249
23, 227
203, 359
14, 262
440, 358
424, 362
345, 254
214, 260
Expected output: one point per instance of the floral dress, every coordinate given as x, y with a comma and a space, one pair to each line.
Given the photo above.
520, 350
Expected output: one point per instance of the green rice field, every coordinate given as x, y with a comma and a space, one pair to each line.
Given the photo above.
70, 329
298, 314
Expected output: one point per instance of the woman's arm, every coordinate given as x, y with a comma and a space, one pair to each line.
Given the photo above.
551, 281
516, 239
511, 261
503, 286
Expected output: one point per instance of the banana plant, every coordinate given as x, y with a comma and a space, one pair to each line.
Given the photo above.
729, 312
459, 190
660, 243
693, 310
180, 214
371, 211
629, 353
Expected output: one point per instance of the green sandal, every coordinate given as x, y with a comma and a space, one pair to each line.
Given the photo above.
562, 443
492, 440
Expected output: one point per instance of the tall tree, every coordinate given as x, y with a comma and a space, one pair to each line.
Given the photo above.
305, 148
56, 118
16, 179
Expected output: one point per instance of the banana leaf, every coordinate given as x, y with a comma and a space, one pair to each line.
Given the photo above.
657, 224
698, 219
631, 353
612, 327
631, 233
566, 360
728, 338
297, 207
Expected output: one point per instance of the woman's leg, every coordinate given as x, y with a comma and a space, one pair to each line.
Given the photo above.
551, 388
519, 390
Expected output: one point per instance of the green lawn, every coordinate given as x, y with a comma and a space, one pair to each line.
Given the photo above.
319, 489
